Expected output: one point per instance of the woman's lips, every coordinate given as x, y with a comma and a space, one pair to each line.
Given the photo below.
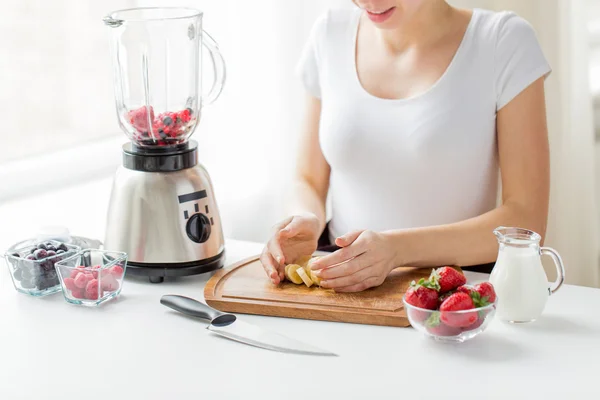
380, 17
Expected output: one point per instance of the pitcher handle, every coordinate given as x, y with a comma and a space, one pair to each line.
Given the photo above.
218, 64
560, 269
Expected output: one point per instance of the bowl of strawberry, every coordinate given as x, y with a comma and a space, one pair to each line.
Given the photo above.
92, 276
444, 307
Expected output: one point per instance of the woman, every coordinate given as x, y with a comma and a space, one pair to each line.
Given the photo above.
414, 108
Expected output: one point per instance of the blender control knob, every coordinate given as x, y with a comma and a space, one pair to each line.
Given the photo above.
198, 228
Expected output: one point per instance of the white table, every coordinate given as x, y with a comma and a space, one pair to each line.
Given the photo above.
136, 348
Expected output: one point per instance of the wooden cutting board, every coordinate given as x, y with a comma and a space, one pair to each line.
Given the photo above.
245, 288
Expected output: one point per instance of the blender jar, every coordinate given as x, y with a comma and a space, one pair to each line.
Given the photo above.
157, 63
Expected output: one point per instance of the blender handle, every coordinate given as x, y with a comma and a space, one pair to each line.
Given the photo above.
560, 268
218, 64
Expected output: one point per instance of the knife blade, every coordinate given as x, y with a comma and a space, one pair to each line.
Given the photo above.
229, 326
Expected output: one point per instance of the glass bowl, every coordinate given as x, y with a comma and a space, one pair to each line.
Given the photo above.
450, 326
32, 266
92, 276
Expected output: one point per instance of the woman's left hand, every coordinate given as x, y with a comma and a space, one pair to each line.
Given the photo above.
364, 260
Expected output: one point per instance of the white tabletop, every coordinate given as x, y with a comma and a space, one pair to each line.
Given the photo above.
136, 348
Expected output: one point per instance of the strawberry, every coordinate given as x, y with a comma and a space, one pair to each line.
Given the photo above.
486, 292
421, 294
476, 324
445, 296
81, 280
457, 302
435, 326
468, 289
139, 118
446, 279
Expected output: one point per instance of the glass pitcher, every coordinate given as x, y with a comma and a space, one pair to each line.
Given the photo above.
157, 71
519, 277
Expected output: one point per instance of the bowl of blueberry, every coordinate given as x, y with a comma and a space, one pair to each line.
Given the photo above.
32, 266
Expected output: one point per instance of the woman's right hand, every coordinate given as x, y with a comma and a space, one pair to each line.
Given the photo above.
292, 238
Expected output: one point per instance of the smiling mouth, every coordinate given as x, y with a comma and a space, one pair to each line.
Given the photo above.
379, 12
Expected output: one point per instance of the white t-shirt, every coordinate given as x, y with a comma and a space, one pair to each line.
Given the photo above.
425, 160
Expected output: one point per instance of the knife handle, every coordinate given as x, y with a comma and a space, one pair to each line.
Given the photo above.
194, 308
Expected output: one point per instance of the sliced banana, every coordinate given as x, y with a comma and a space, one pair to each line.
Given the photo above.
292, 275
307, 281
311, 273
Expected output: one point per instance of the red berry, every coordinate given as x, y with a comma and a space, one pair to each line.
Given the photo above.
81, 280
78, 294
446, 279
421, 295
139, 118
475, 325
116, 271
486, 292
468, 289
458, 302
91, 290
76, 271
70, 283
435, 326
109, 283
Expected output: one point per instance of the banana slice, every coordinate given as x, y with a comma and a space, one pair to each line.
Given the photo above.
307, 281
292, 275
311, 273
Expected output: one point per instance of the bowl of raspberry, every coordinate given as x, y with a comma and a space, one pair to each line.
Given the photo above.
92, 276
32, 266
447, 309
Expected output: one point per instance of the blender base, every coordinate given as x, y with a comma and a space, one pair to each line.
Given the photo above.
157, 273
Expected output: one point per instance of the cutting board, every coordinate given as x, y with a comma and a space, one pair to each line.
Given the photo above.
245, 288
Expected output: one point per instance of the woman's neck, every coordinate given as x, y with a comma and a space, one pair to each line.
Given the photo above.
427, 25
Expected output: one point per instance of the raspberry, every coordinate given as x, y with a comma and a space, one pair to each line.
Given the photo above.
138, 118
109, 283
91, 290
76, 271
95, 273
116, 271
81, 280
185, 115
70, 284
78, 294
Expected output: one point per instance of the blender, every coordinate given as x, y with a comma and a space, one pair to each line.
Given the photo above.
162, 210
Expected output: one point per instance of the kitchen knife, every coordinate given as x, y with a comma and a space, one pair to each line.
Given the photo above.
229, 326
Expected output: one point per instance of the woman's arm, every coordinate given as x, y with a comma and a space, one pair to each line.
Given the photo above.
524, 164
367, 257
311, 178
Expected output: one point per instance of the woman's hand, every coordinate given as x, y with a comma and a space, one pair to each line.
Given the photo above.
364, 260
292, 238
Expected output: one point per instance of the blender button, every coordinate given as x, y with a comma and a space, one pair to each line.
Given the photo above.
196, 208
185, 214
206, 208
211, 221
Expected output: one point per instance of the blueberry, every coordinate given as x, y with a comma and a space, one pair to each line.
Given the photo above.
62, 247
190, 110
167, 121
42, 246
47, 265
60, 251
162, 134
44, 284
51, 248
40, 254
30, 257
51, 253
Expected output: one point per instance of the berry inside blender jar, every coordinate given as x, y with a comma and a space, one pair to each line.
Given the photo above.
164, 129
